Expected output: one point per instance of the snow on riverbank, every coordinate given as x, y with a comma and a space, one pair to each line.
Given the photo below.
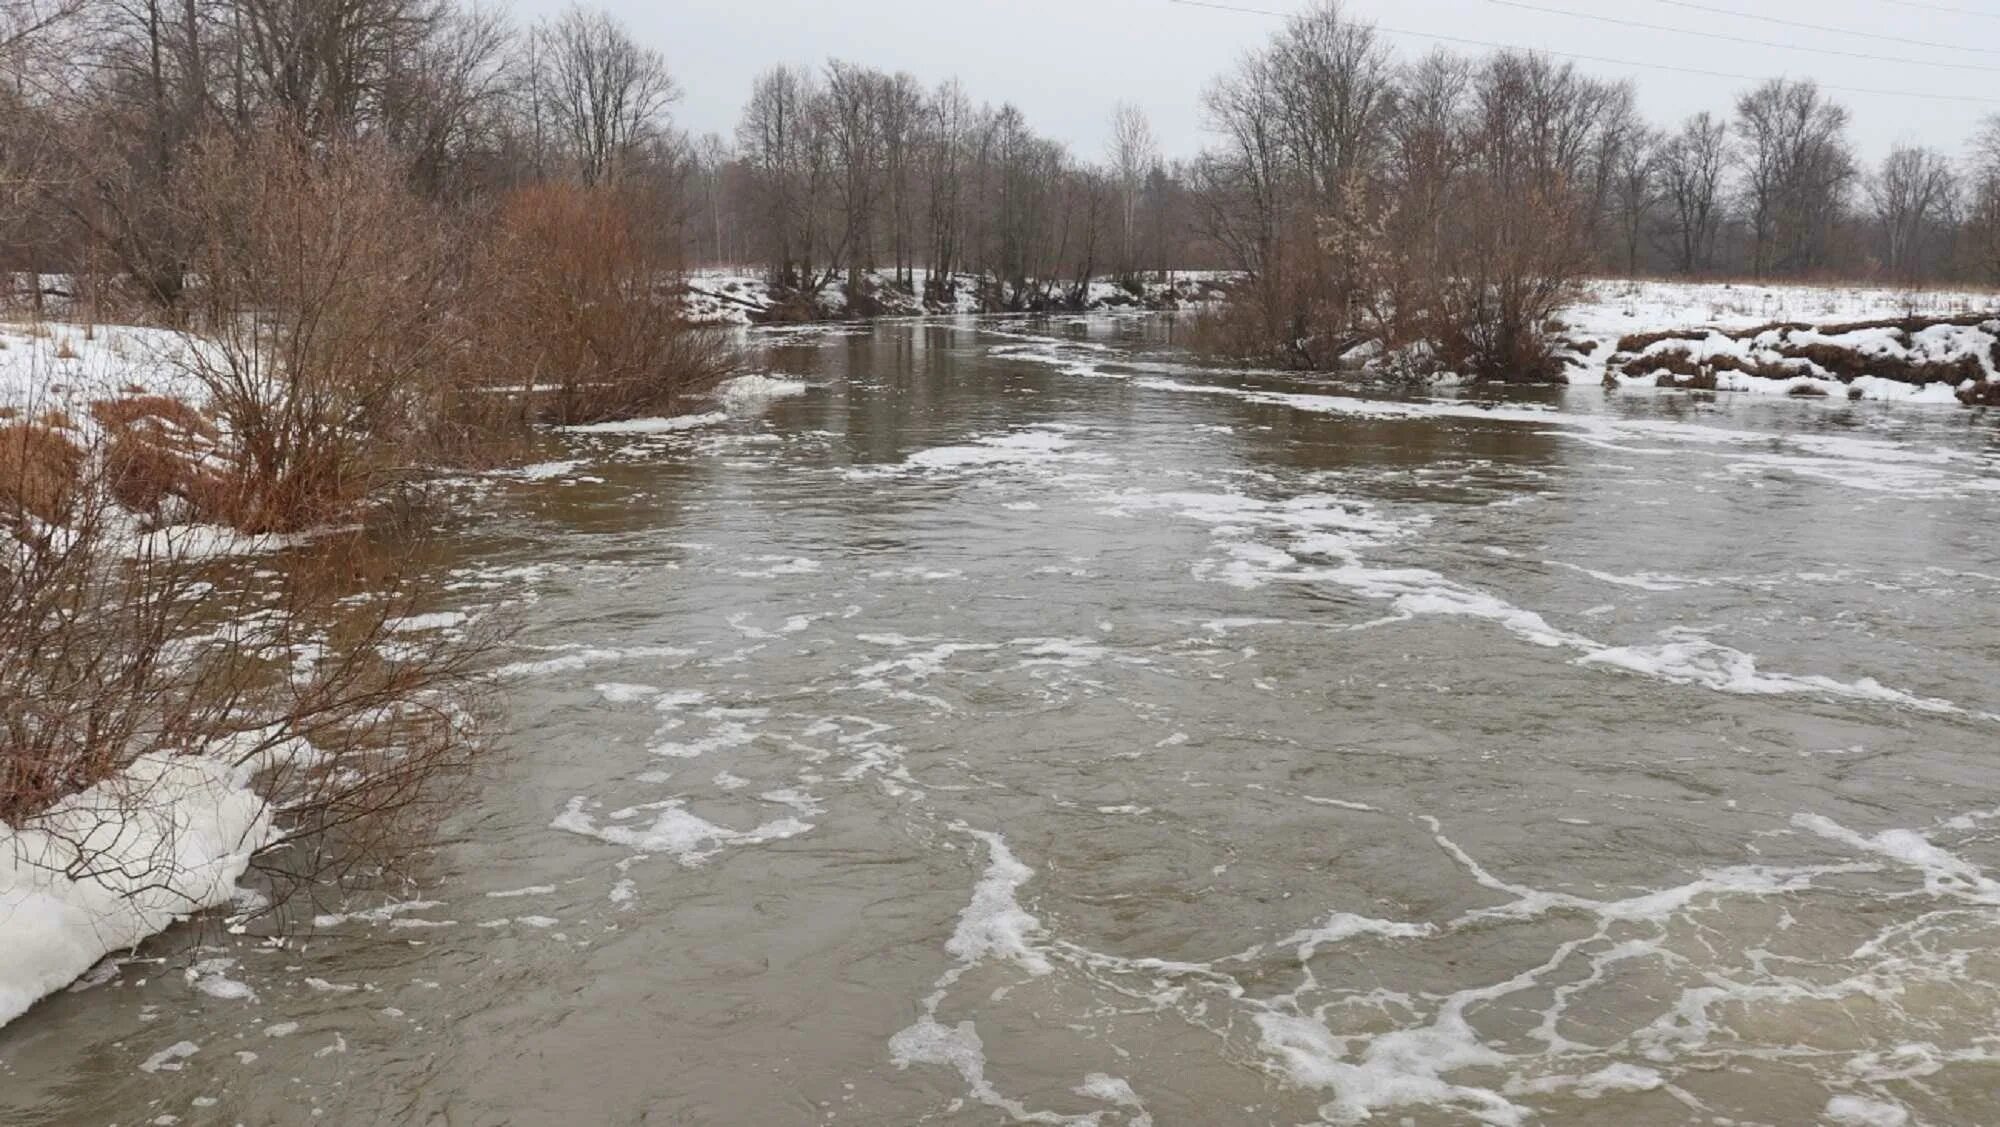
745, 297
1843, 341
113, 865
66, 367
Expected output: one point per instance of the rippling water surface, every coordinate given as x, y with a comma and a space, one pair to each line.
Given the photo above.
1026, 725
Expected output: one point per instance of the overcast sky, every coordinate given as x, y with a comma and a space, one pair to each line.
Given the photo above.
1066, 62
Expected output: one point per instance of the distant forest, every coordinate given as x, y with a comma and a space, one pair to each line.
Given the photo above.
837, 171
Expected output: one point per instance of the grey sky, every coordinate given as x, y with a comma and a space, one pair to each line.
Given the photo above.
1065, 62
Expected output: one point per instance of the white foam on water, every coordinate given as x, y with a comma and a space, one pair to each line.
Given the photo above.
210, 976
1038, 446
517, 893
995, 925
1339, 927
169, 1059
384, 914
543, 471
616, 692
1945, 873
1862, 464
1115, 1090
728, 728
419, 623
959, 1048
748, 394
574, 658
670, 425
674, 830
1609, 1080
1404, 1068
1324, 539
1340, 802
1858, 1111
1690, 659
1641, 581
779, 566
917, 666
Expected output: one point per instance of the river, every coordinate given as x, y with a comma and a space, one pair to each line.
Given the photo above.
1025, 724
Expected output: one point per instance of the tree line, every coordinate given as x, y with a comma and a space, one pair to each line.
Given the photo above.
834, 173
1444, 207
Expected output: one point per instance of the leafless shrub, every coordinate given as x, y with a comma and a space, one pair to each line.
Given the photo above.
327, 287
581, 314
114, 648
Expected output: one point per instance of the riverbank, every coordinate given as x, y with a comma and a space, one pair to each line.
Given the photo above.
736, 297
1934, 346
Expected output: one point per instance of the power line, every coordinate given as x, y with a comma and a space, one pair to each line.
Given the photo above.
1781, 22
1491, 45
1942, 8
1643, 26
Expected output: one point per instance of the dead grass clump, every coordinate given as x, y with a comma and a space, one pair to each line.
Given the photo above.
40, 471
1986, 393
1849, 364
161, 412
582, 314
159, 452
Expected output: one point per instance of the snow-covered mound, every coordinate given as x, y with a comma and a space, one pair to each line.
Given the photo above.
1845, 341
168, 838
1919, 359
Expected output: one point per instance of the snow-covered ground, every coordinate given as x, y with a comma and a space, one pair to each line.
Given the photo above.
1704, 339
1618, 307
64, 367
743, 296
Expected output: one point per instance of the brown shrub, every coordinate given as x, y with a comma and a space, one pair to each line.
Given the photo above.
106, 657
328, 288
40, 470
581, 313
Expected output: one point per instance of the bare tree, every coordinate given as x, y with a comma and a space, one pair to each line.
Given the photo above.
1134, 154
1692, 163
1635, 190
1797, 168
1912, 195
945, 138
609, 96
784, 146
22, 21
1983, 211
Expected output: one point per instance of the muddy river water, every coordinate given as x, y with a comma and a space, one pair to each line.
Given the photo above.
1026, 725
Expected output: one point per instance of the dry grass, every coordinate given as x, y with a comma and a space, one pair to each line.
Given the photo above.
153, 412
40, 472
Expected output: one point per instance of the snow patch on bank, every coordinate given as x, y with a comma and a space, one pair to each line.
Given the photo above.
166, 839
